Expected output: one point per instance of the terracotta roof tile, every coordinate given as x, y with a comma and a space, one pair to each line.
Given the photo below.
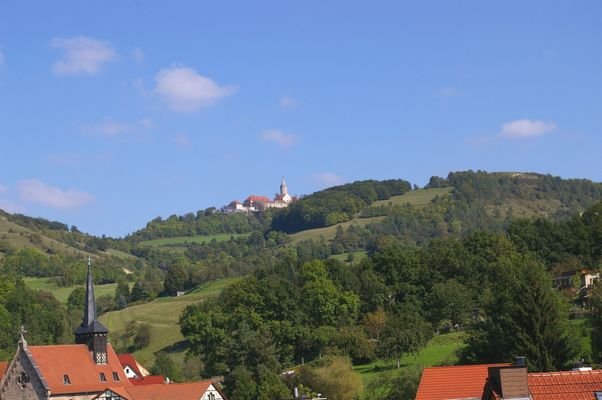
3, 368
179, 391
148, 380
76, 361
573, 385
128, 360
459, 382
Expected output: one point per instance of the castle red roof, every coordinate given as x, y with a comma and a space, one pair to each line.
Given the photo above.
261, 199
75, 361
573, 385
458, 382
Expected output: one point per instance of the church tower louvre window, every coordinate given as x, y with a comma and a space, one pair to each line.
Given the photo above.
91, 332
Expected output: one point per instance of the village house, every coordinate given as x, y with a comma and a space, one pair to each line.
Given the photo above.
508, 381
89, 369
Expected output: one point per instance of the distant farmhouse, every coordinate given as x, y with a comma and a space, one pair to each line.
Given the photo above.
261, 203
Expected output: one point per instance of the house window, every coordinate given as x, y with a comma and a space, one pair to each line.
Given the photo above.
66, 380
103, 378
115, 376
598, 395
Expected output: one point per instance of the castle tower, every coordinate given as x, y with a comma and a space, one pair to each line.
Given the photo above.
91, 332
284, 192
283, 188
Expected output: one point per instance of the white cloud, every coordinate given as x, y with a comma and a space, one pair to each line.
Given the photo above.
328, 179
138, 55
280, 138
287, 102
108, 128
526, 128
82, 55
184, 90
35, 191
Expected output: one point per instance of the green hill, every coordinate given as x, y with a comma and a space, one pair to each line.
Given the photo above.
162, 316
15, 236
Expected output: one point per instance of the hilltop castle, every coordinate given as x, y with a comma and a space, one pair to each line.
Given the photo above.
255, 203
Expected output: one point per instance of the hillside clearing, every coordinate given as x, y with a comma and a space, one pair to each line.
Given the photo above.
416, 198
440, 350
62, 293
184, 240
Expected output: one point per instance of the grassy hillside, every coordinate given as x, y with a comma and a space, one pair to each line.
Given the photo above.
182, 241
440, 350
19, 237
162, 315
416, 198
62, 293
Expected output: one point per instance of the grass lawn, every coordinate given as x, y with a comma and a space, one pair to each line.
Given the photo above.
62, 293
183, 240
162, 315
440, 350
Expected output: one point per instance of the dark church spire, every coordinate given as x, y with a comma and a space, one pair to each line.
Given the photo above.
90, 306
91, 332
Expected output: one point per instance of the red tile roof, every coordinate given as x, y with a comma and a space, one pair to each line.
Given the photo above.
76, 361
128, 360
262, 199
569, 385
454, 382
3, 368
148, 380
179, 391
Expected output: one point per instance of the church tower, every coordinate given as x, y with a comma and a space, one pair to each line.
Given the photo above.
284, 192
91, 332
283, 188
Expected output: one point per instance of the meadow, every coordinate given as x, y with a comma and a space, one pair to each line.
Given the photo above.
162, 315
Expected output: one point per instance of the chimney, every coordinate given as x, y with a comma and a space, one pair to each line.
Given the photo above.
510, 382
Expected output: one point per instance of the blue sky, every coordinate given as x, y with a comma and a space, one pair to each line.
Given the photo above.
116, 112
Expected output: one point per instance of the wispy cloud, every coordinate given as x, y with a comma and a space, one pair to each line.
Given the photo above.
526, 128
147, 123
280, 138
108, 128
182, 140
37, 192
328, 179
138, 55
82, 55
3, 189
1, 57
448, 91
287, 102
184, 90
